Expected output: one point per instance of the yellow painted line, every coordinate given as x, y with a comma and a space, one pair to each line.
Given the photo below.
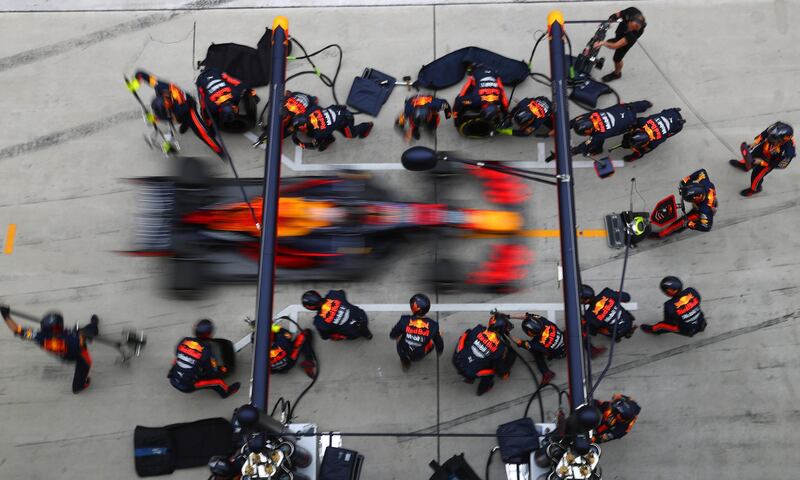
541, 233
8, 248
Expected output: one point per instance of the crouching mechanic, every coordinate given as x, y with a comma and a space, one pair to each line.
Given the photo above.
68, 345
773, 148
171, 103
618, 418
652, 131
419, 111
698, 190
530, 114
484, 95
285, 349
482, 353
196, 366
682, 313
546, 342
336, 318
416, 334
605, 123
603, 311
320, 123
222, 98
295, 104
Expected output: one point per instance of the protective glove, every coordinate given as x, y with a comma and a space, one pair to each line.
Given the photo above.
613, 18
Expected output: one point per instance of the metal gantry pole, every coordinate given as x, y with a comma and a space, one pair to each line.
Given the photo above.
566, 212
259, 387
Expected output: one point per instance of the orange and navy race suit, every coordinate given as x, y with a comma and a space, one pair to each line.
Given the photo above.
604, 311
431, 105
416, 337
542, 110
195, 367
701, 216
216, 89
294, 104
612, 425
767, 157
284, 350
322, 122
480, 353
659, 128
184, 108
483, 88
70, 346
549, 344
338, 319
608, 122
682, 314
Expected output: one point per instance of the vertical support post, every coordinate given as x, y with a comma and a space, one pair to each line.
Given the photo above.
259, 387
566, 212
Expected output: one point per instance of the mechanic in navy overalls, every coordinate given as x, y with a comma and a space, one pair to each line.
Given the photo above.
336, 318
652, 131
220, 97
605, 123
320, 123
416, 335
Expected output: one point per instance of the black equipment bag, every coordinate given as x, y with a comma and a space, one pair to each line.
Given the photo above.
370, 91
587, 92
455, 468
451, 68
517, 448
152, 452
248, 64
340, 464
159, 451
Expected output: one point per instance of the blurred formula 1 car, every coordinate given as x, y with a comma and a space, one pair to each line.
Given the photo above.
329, 227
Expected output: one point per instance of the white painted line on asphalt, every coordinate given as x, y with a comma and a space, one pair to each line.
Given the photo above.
297, 164
551, 308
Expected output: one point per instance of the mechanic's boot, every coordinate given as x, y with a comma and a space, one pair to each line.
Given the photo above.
738, 164
232, 388
366, 132
749, 193
647, 328
547, 377
631, 331
405, 364
610, 77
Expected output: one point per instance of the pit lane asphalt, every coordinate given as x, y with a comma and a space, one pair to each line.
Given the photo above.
713, 405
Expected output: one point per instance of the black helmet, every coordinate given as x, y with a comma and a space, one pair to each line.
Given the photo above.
532, 325
419, 116
587, 293
204, 329
312, 300
490, 113
582, 125
635, 139
226, 113
624, 408
52, 324
500, 322
693, 193
779, 132
159, 106
671, 283
539, 107
420, 304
